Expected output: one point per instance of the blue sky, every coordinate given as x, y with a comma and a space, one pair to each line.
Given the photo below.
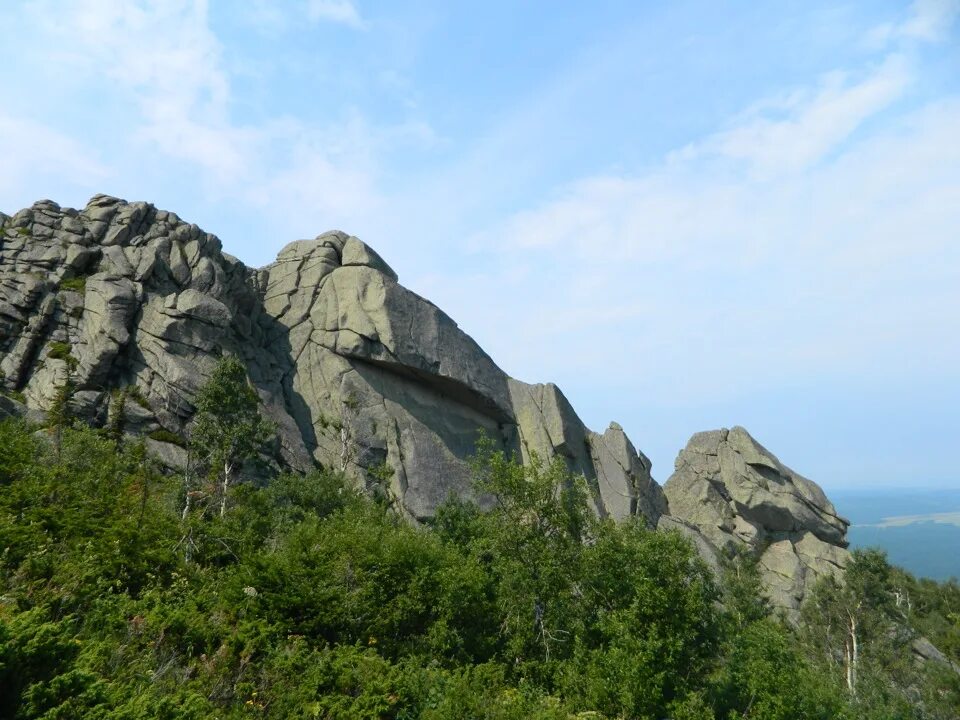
688, 215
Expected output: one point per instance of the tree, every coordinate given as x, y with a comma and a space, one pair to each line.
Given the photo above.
844, 616
534, 539
228, 428
60, 414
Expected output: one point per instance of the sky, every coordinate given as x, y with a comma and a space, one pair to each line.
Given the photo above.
688, 215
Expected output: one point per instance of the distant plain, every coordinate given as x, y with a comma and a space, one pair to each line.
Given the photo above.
919, 528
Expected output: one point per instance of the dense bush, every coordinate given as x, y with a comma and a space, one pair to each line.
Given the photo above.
307, 599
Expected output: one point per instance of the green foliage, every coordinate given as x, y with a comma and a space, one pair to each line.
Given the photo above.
60, 413
765, 676
75, 284
651, 623
136, 394
228, 429
164, 435
532, 543
116, 416
62, 351
862, 627
310, 599
16, 395
743, 598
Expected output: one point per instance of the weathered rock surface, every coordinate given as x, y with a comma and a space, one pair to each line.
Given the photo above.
356, 371
738, 496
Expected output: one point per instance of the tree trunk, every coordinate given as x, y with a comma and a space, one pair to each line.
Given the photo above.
187, 486
852, 652
227, 472
344, 448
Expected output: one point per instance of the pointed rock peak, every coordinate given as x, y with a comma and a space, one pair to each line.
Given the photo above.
355, 370
742, 498
753, 452
101, 200
322, 244
356, 252
338, 248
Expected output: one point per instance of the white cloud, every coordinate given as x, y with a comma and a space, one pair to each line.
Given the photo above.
177, 82
929, 21
174, 77
336, 11
847, 266
808, 129
33, 154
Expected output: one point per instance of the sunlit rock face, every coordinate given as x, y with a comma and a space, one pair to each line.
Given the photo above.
739, 496
356, 371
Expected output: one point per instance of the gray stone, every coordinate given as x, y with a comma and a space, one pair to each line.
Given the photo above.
10, 408
743, 499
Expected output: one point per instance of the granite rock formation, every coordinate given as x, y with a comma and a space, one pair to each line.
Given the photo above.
356, 371
738, 496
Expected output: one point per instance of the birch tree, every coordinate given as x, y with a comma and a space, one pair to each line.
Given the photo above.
228, 429
845, 617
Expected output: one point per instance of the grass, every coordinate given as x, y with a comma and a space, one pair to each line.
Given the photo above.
76, 284
164, 435
135, 394
16, 395
61, 351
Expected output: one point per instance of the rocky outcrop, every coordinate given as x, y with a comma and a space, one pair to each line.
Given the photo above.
739, 497
356, 371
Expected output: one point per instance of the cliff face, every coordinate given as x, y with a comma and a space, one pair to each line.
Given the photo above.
355, 370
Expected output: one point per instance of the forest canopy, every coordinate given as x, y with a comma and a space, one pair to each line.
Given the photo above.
298, 596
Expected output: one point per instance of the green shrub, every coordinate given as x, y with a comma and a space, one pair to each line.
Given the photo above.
164, 435
136, 394
76, 284
62, 351
16, 395
59, 350
309, 599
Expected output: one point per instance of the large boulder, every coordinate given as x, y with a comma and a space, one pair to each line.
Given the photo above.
740, 498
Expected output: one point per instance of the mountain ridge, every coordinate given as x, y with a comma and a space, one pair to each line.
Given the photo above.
357, 372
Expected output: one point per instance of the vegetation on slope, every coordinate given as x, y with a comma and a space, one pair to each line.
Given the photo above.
303, 598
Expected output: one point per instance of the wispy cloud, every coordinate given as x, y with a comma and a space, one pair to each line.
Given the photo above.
928, 21
175, 77
793, 133
337, 11
35, 155
931, 20
179, 85
800, 241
